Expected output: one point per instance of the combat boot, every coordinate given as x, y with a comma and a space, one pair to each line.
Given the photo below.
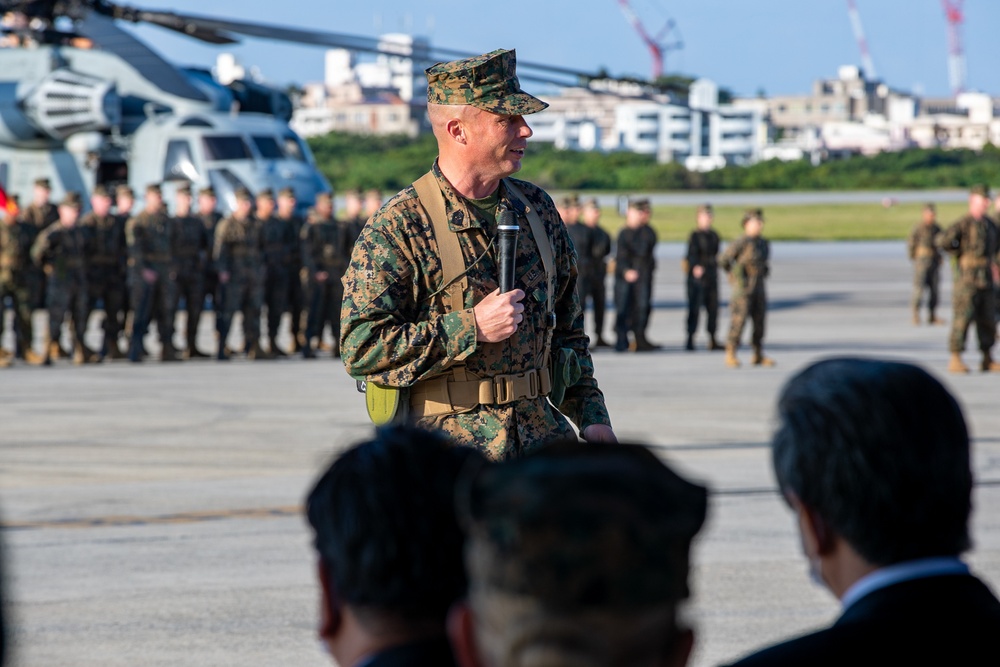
916, 317
931, 319
55, 352
32, 358
731, 359
114, 352
256, 353
195, 353
689, 345
759, 359
713, 344
169, 353
643, 345
956, 365
988, 364
307, 351
6, 359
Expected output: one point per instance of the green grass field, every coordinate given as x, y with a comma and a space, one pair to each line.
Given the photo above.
821, 222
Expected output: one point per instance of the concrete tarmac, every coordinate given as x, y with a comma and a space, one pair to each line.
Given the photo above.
152, 512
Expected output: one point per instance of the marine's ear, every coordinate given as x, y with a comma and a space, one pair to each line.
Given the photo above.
331, 610
462, 635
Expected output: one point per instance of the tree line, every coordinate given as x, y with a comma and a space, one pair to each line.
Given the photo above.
393, 162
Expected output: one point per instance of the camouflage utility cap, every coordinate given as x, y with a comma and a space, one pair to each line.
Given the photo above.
980, 189
486, 82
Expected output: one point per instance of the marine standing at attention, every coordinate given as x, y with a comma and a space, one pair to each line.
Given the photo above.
926, 258
422, 308
702, 268
747, 263
635, 262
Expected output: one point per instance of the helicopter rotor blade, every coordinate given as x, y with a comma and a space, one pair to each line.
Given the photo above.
103, 31
189, 24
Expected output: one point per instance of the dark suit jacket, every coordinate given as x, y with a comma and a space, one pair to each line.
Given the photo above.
943, 620
427, 653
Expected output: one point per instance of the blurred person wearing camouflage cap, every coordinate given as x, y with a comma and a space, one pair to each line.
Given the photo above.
105, 248
974, 240
59, 252
422, 310
577, 556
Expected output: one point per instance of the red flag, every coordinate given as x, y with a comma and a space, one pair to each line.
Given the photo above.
7, 204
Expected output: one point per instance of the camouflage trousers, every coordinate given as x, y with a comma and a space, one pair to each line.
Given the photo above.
19, 291
62, 297
925, 277
325, 300
592, 287
276, 299
191, 288
702, 293
753, 305
972, 304
106, 288
153, 301
296, 300
243, 293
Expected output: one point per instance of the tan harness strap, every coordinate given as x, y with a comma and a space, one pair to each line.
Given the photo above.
541, 240
449, 250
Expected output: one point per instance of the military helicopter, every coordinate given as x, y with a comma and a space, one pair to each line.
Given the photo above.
84, 102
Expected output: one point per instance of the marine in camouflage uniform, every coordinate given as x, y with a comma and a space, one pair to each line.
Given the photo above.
596, 290
124, 204
40, 214
191, 250
151, 241
16, 267
210, 218
634, 266
582, 237
474, 360
296, 291
975, 242
578, 554
239, 260
326, 246
702, 268
354, 218
747, 263
280, 245
923, 251
105, 245
59, 251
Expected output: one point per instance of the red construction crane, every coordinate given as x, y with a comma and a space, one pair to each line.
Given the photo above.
657, 47
859, 34
956, 56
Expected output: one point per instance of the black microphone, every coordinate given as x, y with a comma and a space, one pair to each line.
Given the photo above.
507, 229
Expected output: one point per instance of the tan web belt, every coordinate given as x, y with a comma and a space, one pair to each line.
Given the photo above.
925, 253
461, 391
973, 262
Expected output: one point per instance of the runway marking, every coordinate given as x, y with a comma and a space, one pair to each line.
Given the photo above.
183, 517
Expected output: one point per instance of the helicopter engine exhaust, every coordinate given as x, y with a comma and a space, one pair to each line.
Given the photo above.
65, 103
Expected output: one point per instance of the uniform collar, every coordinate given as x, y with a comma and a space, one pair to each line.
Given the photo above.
461, 215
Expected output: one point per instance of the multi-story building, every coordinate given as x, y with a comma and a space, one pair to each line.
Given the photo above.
701, 133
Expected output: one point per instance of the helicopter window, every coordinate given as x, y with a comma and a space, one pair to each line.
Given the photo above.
179, 165
293, 149
268, 147
228, 147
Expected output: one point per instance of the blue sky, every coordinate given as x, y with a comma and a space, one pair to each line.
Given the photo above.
779, 46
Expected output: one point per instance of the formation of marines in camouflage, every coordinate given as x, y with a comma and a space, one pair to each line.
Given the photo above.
139, 268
